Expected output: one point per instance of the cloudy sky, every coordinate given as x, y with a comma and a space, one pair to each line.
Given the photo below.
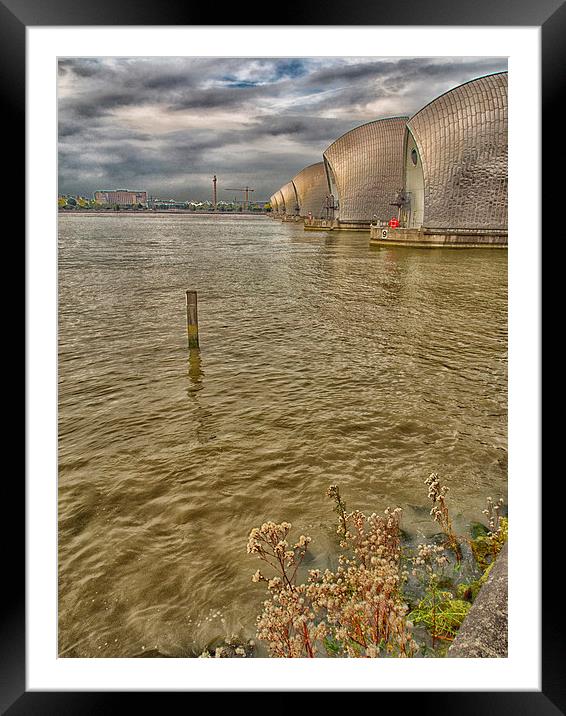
166, 125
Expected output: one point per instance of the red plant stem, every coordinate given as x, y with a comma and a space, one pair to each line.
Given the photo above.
307, 641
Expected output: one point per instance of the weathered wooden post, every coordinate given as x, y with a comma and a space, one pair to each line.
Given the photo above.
195, 372
192, 319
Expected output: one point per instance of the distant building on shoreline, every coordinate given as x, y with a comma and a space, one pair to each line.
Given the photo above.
156, 203
120, 197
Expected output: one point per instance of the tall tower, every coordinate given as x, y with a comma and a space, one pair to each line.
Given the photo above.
214, 192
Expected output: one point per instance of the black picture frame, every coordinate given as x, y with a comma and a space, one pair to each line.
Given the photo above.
15, 17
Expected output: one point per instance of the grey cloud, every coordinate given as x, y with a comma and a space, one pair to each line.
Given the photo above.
214, 98
253, 108
317, 131
83, 67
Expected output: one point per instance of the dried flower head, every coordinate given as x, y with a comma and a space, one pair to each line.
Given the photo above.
356, 610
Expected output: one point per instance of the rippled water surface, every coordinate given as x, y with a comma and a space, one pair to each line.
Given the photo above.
323, 360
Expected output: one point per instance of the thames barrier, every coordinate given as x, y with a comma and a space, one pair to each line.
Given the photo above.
437, 178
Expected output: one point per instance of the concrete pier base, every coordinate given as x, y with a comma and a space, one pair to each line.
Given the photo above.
319, 224
336, 225
459, 238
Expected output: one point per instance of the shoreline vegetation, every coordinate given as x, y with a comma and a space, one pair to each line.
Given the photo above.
158, 212
388, 597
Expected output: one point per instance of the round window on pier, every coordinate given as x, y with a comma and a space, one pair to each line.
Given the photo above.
414, 156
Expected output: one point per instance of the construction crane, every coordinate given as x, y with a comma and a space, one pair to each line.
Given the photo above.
246, 190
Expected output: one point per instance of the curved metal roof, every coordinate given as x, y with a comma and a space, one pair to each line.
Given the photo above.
311, 185
366, 165
461, 137
290, 199
280, 201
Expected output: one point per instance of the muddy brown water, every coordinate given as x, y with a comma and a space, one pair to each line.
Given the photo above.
323, 360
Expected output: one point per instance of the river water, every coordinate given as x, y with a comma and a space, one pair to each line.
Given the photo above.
323, 360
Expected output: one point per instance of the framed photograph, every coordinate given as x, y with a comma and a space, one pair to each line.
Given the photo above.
150, 461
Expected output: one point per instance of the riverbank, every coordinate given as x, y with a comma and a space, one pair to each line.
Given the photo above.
158, 212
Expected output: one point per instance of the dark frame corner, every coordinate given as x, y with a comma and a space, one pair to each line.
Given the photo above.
15, 16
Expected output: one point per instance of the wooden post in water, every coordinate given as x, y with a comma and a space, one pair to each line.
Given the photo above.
192, 319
